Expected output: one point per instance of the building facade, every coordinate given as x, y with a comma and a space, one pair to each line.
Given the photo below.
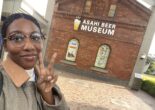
103, 36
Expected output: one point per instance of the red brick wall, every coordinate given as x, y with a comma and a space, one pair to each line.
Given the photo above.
124, 44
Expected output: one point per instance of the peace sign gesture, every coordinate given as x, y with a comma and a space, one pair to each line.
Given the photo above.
47, 78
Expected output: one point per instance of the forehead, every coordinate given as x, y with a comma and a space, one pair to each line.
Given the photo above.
22, 25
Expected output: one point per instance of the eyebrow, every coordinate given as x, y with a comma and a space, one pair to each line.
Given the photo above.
14, 32
20, 32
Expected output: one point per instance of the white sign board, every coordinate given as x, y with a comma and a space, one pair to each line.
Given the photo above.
138, 75
105, 28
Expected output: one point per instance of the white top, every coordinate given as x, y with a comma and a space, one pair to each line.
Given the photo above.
31, 74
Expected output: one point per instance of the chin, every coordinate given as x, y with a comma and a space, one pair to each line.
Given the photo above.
27, 67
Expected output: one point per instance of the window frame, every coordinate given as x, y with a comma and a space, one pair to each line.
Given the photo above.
107, 56
74, 51
112, 10
88, 6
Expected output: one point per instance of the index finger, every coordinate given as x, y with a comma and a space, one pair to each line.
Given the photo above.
41, 63
50, 65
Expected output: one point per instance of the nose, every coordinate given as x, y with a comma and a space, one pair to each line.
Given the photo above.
28, 44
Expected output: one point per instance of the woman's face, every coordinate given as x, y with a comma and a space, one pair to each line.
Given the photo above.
27, 52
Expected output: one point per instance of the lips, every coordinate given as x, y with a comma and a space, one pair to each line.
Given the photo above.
29, 57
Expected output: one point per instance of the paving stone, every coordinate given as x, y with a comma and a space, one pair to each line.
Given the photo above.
83, 93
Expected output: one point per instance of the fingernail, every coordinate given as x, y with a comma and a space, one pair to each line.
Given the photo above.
46, 90
49, 77
52, 81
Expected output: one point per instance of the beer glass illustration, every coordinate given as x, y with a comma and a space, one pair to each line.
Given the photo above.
76, 24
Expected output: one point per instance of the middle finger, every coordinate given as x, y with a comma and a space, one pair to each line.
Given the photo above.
50, 65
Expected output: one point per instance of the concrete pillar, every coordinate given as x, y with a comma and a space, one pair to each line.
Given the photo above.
135, 81
48, 17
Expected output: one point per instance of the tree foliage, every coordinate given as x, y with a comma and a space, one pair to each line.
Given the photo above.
151, 68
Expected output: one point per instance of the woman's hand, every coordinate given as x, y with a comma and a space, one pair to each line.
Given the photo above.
46, 79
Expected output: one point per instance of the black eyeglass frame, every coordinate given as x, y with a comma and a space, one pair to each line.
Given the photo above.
9, 37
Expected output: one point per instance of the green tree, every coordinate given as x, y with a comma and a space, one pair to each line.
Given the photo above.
151, 68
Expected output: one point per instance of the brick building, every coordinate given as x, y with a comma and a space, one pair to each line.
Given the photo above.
103, 36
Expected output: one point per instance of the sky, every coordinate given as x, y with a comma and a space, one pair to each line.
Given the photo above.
152, 47
39, 6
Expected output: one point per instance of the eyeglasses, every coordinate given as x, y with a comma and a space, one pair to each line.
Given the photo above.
18, 39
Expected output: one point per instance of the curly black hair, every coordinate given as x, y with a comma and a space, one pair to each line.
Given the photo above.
14, 17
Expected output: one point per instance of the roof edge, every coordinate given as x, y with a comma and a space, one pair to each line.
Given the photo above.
140, 6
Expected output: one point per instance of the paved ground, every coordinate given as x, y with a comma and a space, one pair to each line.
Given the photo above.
84, 93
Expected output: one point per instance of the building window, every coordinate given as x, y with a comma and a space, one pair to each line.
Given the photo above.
112, 11
88, 5
72, 50
99, 8
102, 56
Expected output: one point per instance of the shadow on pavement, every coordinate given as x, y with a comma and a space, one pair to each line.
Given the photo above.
90, 74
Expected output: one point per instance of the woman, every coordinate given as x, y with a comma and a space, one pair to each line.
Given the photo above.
25, 85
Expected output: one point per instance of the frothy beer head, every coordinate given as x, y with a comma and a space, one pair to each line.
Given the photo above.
76, 24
